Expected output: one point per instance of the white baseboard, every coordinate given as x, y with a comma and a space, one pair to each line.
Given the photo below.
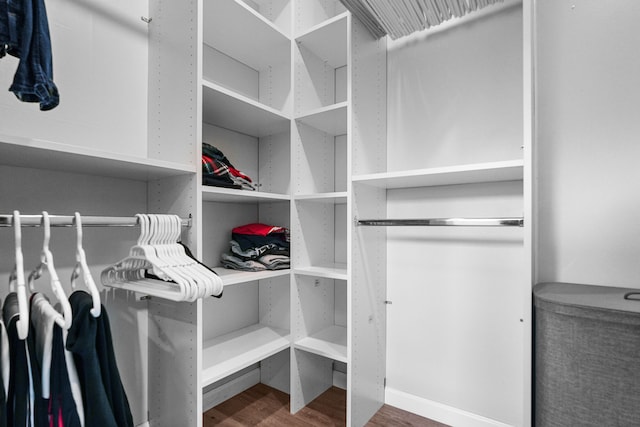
228, 390
145, 424
437, 411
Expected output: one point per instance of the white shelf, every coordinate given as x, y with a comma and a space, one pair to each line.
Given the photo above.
328, 40
337, 197
330, 271
237, 30
233, 277
227, 354
230, 110
511, 170
232, 195
330, 342
49, 155
331, 119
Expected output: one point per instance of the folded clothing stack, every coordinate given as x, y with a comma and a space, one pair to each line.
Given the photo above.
258, 247
218, 171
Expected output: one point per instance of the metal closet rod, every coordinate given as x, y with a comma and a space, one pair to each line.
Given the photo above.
447, 222
87, 221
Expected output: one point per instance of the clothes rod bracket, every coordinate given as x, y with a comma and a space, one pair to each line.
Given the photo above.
444, 222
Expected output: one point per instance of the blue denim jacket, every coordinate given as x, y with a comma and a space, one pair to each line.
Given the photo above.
24, 33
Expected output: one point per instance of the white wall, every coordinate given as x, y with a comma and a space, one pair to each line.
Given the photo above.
454, 336
588, 143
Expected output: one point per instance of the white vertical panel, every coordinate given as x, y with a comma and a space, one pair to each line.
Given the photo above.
174, 337
175, 92
274, 154
367, 318
340, 163
93, 87
367, 142
275, 87
588, 81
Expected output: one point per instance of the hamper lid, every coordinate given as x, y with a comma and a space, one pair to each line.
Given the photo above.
598, 302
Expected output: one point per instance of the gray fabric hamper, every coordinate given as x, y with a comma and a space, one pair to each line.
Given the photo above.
587, 356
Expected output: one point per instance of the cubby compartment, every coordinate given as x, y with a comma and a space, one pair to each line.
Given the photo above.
249, 325
311, 13
265, 159
320, 62
319, 231
319, 311
247, 54
320, 161
219, 218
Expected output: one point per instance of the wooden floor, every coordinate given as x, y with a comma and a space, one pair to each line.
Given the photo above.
264, 406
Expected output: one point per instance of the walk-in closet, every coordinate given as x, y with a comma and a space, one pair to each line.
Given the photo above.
342, 204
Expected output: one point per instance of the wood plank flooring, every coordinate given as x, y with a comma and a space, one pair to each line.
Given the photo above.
266, 407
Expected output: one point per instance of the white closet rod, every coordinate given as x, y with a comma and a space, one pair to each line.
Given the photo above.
87, 221
448, 222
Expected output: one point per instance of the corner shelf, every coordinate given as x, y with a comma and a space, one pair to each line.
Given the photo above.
49, 155
232, 352
230, 110
331, 119
330, 342
240, 32
510, 170
233, 277
327, 40
232, 195
328, 271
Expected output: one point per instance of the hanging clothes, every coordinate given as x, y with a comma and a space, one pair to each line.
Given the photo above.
18, 397
54, 401
89, 339
24, 33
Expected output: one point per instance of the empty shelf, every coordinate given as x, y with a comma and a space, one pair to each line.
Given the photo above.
230, 110
221, 194
234, 277
328, 271
511, 170
328, 40
42, 154
224, 355
237, 30
330, 342
331, 119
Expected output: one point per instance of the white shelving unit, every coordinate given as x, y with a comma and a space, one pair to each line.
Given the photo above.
247, 115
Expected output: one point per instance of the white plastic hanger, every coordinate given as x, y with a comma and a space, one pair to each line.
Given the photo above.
82, 266
130, 273
46, 259
17, 282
